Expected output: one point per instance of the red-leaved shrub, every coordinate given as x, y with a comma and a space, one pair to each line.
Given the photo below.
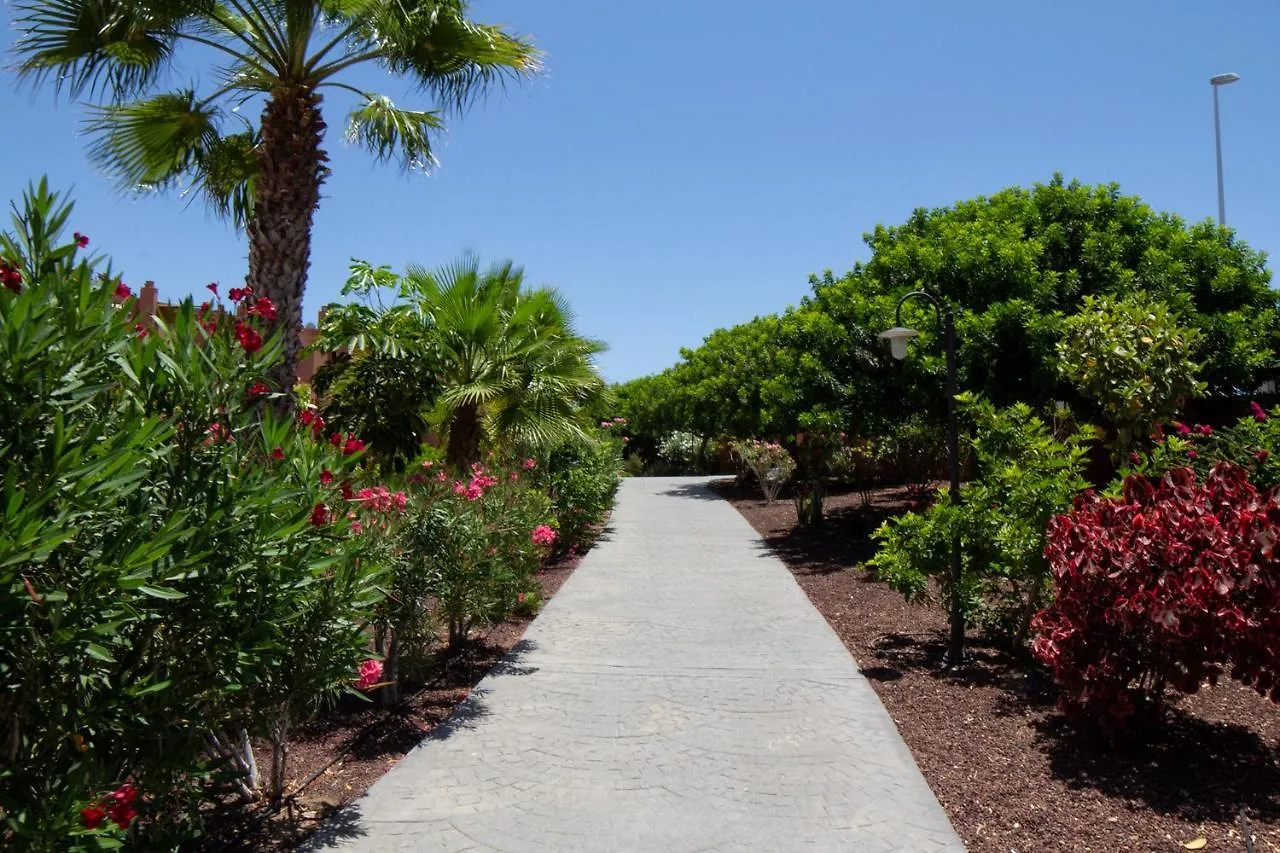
1163, 587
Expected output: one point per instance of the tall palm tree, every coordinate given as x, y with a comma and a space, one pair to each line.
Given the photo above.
282, 53
509, 362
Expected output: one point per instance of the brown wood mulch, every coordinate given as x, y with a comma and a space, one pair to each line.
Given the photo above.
1008, 769
333, 760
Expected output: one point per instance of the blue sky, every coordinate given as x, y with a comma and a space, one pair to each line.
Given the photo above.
682, 166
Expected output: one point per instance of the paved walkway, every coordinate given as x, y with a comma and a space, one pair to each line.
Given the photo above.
678, 694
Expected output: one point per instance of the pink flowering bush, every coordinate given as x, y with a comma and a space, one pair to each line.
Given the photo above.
1252, 442
463, 557
543, 535
770, 463
176, 576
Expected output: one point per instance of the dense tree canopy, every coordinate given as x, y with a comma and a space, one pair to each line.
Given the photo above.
1015, 266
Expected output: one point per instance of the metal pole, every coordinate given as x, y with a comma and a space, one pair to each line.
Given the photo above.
955, 652
1217, 143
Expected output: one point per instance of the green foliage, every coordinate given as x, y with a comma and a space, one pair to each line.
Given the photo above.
582, 478
468, 350
170, 566
379, 381
1131, 358
1025, 477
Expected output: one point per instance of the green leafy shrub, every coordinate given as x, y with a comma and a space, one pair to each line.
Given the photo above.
1025, 477
176, 573
1131, 357
582, 479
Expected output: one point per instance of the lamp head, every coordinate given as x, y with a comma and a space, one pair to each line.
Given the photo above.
898, 337
1223, 79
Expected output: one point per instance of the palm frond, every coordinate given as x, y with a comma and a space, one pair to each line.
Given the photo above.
392, 133
153, 143
95, 45
225, 175
454, 58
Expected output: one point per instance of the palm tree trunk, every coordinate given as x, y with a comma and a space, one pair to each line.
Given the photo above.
291, 168
464, 438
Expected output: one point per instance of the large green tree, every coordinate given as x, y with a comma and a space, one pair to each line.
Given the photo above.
1018, 263
1016, 266
282, 54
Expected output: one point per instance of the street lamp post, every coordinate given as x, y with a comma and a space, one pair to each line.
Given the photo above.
898, 337
1217, 81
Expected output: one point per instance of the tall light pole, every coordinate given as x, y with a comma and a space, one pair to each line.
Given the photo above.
898, 337
1217, 81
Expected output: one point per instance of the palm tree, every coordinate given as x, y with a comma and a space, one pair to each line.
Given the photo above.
509, 363
284, 53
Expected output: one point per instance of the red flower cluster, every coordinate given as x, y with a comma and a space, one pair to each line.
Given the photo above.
326, 477
10, 277
82, 240
308, 418
1165, 586
236, 294
264, 308
1259, 413
248, 337
118, 805
259, 389
278, 454
349, 445
122, 292
320, 515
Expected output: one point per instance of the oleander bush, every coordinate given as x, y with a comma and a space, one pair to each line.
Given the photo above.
177, 572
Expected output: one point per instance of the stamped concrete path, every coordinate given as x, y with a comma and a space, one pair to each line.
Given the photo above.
678, 694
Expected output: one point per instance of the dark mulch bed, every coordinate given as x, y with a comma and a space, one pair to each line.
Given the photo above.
1009, 771
353, 745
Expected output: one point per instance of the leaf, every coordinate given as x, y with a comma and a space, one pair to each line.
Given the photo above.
1196, 843
161, 592
97, 652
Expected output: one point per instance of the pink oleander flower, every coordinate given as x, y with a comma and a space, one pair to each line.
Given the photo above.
529, 464
1259, 413
370, 673
123, 292
543, 535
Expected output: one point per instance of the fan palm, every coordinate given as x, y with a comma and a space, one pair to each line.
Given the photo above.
507, 358
283, 53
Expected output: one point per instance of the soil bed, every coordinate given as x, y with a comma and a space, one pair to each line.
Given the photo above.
1003, 763
353, 745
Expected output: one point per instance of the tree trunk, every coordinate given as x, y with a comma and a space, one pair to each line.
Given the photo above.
464, 438
291, 168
